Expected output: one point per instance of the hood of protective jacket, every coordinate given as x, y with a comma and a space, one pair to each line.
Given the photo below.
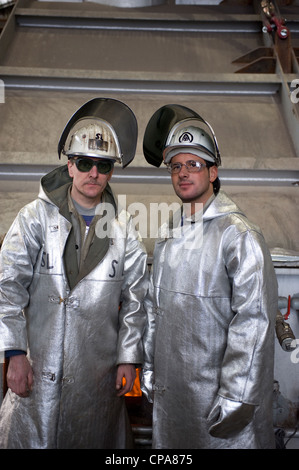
54, 187
220, 205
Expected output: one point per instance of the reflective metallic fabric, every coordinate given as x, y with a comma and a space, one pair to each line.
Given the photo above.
209, 340
75, 338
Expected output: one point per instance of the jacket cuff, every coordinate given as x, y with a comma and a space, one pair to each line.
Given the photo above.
13, 352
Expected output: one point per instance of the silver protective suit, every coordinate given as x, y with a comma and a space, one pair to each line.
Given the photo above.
209, 341
74, 337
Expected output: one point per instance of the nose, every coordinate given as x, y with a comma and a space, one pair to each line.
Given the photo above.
183, 171
93, 172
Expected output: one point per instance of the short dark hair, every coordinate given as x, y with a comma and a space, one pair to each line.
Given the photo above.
216, 183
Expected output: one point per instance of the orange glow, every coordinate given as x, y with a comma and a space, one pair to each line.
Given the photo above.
136, 391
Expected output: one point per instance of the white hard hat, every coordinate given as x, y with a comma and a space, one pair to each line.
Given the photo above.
92, 138
189, 139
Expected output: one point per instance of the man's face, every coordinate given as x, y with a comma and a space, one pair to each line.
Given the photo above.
87, 187
193, 187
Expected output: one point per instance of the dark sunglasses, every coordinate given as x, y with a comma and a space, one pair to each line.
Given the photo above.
85, 164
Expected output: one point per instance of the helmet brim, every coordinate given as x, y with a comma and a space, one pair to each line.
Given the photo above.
173, 150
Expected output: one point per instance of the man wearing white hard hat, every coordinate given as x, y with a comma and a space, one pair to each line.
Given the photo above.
71, 293
189, 152
211, 309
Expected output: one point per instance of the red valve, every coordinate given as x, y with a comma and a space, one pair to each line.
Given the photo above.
286, 315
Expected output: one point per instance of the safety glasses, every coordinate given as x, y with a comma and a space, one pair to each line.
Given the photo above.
85, 164
191, 165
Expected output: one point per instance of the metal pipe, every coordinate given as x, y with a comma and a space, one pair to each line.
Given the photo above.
142, 430
283, 302
141, 175
295, 303
142, 436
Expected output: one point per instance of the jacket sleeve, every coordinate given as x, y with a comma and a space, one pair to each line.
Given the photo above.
249, 353
134, 288
250, 339
18, 255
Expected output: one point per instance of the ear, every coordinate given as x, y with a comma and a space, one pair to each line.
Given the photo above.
70, 165
213, 171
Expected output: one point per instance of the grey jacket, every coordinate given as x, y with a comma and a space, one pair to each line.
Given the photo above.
76, 327
209, 341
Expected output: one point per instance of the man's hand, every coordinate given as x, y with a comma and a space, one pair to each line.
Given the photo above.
128, 372
19, 375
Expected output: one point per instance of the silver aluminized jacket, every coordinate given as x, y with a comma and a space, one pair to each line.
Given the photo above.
210, 334
74, 337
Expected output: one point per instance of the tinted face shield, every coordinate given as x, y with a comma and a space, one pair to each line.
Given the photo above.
160, 126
